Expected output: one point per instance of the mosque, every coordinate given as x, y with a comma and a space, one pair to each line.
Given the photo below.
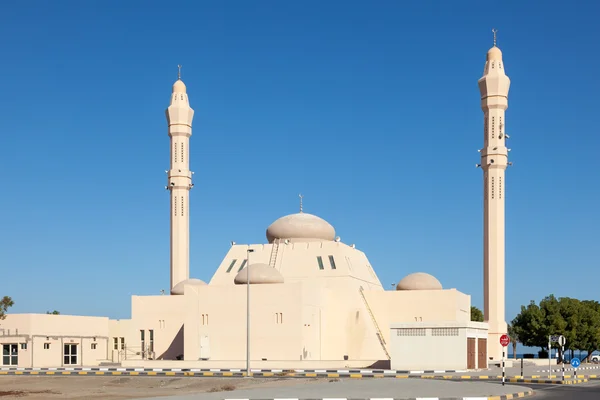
302, 299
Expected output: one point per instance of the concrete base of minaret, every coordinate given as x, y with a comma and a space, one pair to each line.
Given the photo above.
494, 348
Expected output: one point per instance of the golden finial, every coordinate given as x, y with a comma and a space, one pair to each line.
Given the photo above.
301, 197
494, 31
179, 72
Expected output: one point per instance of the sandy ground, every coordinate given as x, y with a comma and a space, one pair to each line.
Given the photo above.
124, 387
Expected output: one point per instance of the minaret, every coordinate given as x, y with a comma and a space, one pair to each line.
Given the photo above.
493, 87
179, 118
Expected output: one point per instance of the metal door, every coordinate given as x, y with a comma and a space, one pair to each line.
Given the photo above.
70, 354
471, 353
204, 347
482, 353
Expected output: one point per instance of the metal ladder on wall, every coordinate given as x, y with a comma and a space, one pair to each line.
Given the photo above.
274, 252
379, 333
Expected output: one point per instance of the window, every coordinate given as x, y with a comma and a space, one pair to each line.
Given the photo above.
116, 343
122, 343
231, 265
182, 148
332, 262
70, 354
182, 206
175, 151
204, 319
23, 346
46, 346
10, 354
410, 332
444, 332
94, 346
279, 318
143, 339
151, 332
320, 261
243, 265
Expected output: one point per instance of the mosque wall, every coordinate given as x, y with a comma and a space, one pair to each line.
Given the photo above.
216, 323
417, 306
156, 328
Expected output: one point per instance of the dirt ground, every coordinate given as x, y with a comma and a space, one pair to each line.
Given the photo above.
127, 387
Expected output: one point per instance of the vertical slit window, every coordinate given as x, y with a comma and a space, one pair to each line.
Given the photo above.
231, 265
243, 265
182, 206
175, 151
492, 187
332, 262
320, 262
493, 126
175, 205
500, 187
181, 152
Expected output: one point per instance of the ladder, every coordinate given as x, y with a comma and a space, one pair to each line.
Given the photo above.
379, 333
274, 252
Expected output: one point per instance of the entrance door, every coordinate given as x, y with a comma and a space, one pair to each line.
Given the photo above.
482, 353
10, 354
204, 347
471, 353
70, 354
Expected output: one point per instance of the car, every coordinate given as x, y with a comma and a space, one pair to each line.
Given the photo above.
595, 358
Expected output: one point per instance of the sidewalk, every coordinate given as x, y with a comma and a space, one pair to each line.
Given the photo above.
369, 389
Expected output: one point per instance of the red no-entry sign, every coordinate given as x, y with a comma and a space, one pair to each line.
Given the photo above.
504, 340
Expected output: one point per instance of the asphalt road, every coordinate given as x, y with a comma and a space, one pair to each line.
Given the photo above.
584, 391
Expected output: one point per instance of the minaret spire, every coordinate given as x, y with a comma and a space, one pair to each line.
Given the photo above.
179, 68
493, 87
301, 197
494, 31
179, 183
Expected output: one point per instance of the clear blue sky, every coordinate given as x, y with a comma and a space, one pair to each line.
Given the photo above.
370, 109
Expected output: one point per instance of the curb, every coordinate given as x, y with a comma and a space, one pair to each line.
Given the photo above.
567, 369
503, 397
290, 375
318, 371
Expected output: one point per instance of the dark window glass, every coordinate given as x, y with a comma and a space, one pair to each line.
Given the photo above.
332, 262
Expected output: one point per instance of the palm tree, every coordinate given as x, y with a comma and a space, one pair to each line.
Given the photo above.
513, 339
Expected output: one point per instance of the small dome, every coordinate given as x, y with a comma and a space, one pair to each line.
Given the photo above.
419, 281
300, 227
259, 274
179, 87
178, 289
494, 54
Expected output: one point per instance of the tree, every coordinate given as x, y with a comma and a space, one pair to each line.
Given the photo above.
513, 339
530, 327
5, 304
53, 312
578, 321
476, 314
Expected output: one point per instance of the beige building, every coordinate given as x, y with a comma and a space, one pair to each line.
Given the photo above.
314, 301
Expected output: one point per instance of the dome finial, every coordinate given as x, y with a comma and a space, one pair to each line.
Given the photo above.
179, 71
494, 31
301, 197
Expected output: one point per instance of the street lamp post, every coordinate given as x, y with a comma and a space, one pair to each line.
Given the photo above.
248, 312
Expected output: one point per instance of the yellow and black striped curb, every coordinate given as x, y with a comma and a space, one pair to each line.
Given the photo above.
511, 396
287, 375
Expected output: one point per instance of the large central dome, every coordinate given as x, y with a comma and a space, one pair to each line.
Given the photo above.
300, 227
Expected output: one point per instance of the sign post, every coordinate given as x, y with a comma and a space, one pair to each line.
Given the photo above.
575, 363
504, 341
562, 341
